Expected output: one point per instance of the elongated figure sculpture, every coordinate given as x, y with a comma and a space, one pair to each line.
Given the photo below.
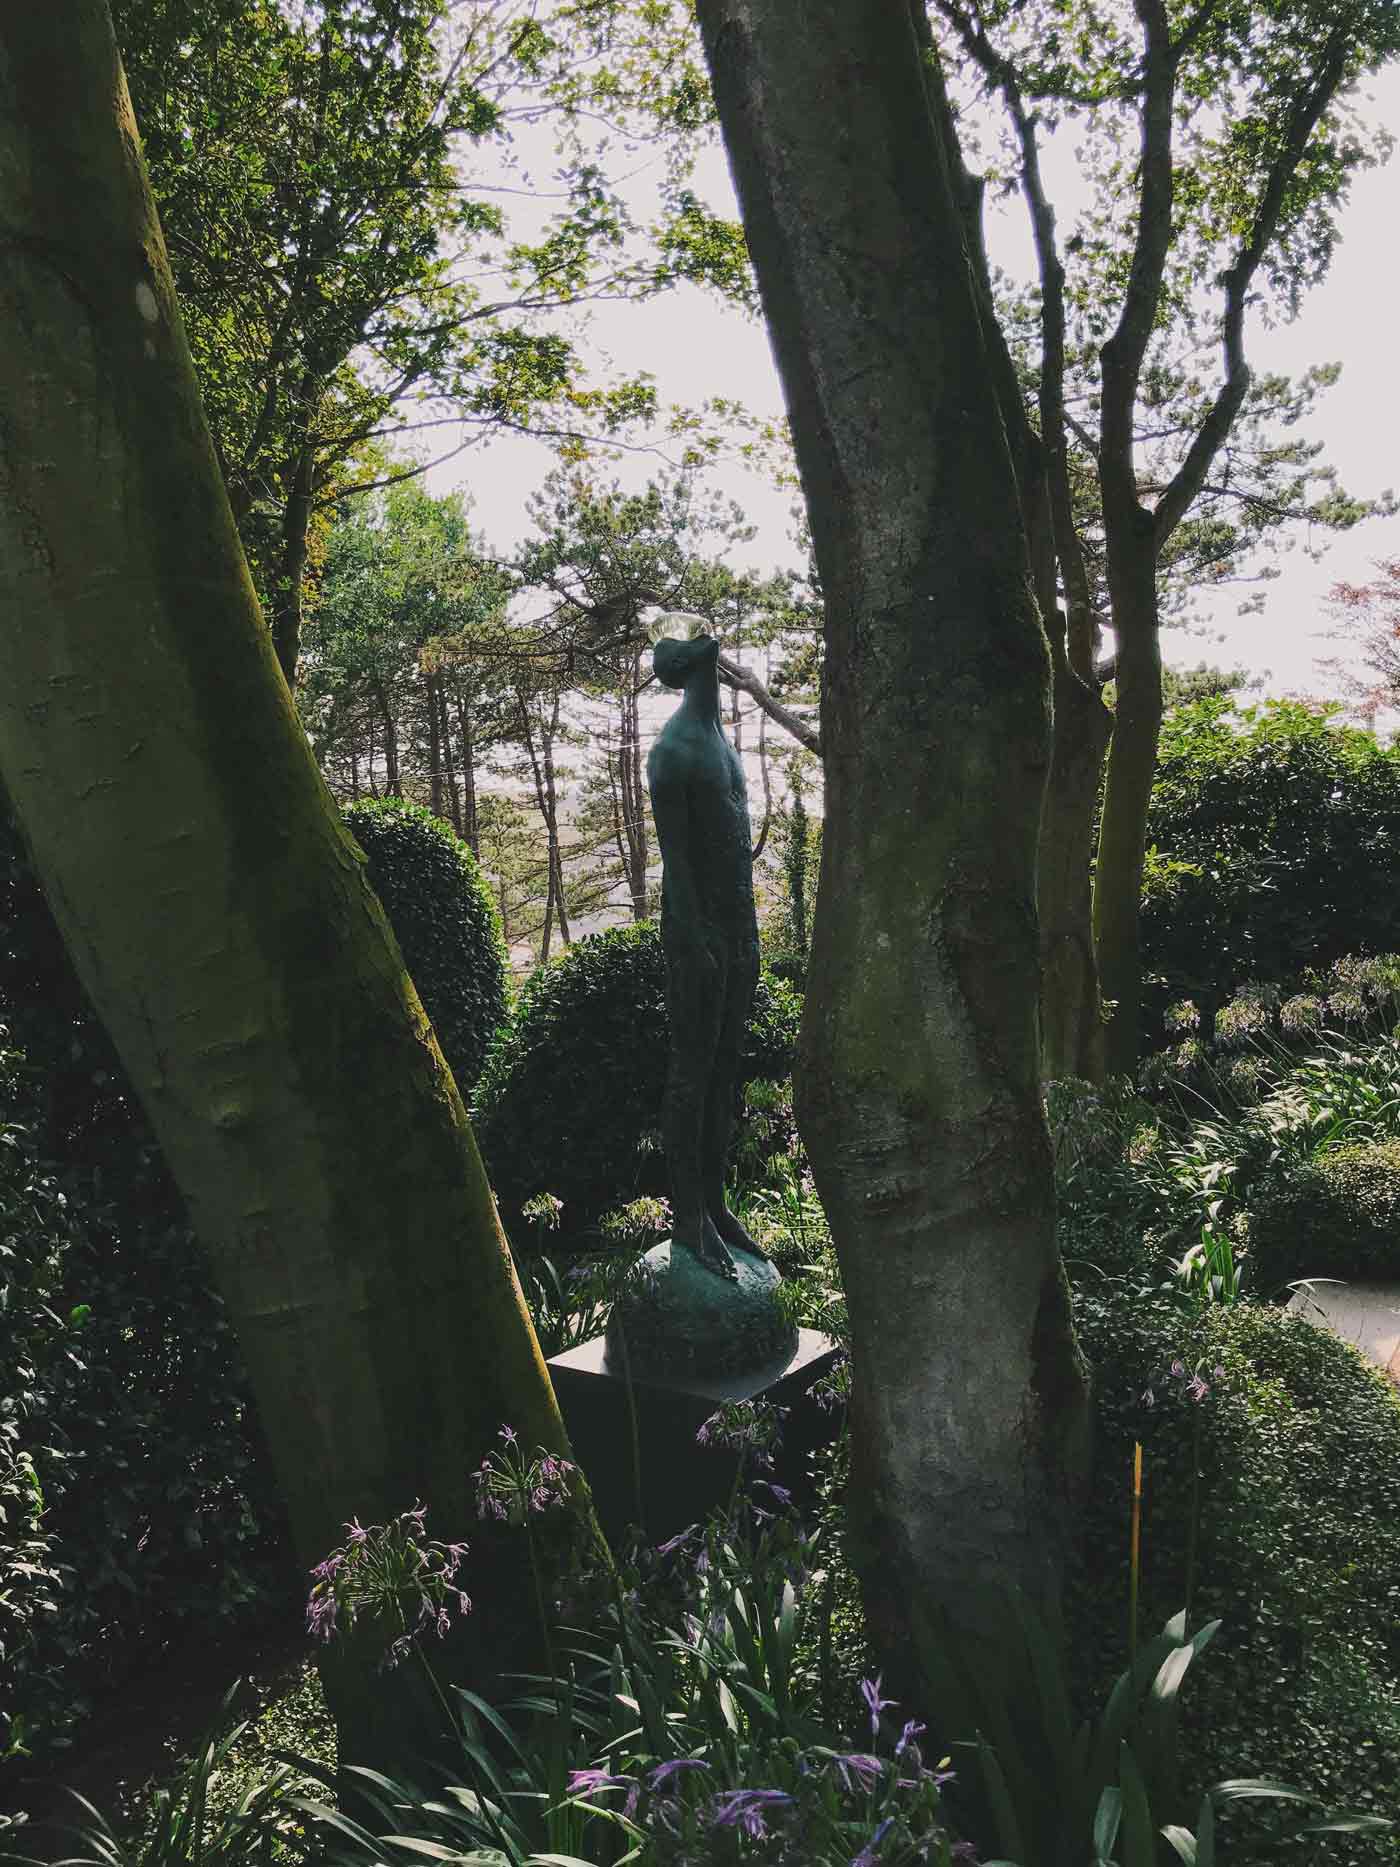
706, 1301
709, 934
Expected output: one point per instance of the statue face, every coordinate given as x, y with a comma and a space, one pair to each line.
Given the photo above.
674, 661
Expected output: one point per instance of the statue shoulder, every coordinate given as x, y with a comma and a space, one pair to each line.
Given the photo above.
671, 759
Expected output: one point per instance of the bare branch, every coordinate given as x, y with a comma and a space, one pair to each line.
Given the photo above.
801, 730
1303, 119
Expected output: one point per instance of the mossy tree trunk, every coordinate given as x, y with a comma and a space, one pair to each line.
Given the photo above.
217, 911
1071, 1027
918, 1083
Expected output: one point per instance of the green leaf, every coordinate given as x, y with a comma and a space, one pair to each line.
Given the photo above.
1183, 1842
1139, 1840
1107, 1817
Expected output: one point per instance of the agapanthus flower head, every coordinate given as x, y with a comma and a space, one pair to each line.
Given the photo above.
752, 1428
874, 1704
391, 1574
678, 1541
321, 1612
511, 1487
673, 1767
748, 1809
857, 1769
594, 1782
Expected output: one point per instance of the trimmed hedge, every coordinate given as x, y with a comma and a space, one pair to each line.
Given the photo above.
570, 1100
134, 1495
1337, 1215
446, 922
1299, 1554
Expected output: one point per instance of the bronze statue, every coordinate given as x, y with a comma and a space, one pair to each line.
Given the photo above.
704, 1303
709, 933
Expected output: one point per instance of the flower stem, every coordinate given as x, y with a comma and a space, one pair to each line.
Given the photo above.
539, 1600
1134, 1556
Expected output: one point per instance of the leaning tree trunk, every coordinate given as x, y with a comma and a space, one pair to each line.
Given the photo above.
217, 910
918, 1083
1132, 767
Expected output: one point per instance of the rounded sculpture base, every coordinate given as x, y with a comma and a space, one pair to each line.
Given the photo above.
677, 1318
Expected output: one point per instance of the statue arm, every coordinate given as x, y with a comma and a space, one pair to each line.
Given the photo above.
670, 807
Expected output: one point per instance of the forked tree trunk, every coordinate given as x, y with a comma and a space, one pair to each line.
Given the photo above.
1071, 1019
1132, 767
918, 1083
218, 912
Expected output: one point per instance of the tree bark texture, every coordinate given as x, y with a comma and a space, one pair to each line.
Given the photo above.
471, 828
218, 912
1132, 767
1071, 1016
918, 1083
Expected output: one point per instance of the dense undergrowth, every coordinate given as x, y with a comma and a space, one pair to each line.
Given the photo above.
1271, 1503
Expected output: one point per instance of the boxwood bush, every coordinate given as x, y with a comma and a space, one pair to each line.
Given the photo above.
445, 919
1298, 1446
1337, 1215
135, 1498
570, 1100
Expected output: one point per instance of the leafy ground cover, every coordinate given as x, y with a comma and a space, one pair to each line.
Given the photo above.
720, 1705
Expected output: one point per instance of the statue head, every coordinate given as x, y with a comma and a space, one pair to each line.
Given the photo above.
674, 661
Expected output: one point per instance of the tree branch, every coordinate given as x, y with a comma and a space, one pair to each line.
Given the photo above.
1122, 355
801, 730
1303, 119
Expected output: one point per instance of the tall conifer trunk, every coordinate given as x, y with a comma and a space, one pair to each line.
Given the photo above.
918, 1082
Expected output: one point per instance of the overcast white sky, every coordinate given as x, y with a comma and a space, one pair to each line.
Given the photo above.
697, 348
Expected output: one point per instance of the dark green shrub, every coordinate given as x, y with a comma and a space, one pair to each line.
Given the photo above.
1298, 1445
130, 1402
445, 919
36, 1229
1271, 834
1335, 1216
570, 1100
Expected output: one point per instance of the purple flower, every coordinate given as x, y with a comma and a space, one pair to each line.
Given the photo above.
1177, 1370
1149, 1398
1218, 1372
858, 1770
744, 1809
663, 1772
325, 1570
320, 1615
906, 1737
869, 1854
355, 1531
1197, 1388
508, 1434
870, 1692
672, 1544
588, 1783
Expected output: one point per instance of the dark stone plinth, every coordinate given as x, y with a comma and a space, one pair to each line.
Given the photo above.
681, 1482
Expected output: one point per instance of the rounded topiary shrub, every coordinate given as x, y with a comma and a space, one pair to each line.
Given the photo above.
1296, 1442
570, 1101
1335, 1216
446, 922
